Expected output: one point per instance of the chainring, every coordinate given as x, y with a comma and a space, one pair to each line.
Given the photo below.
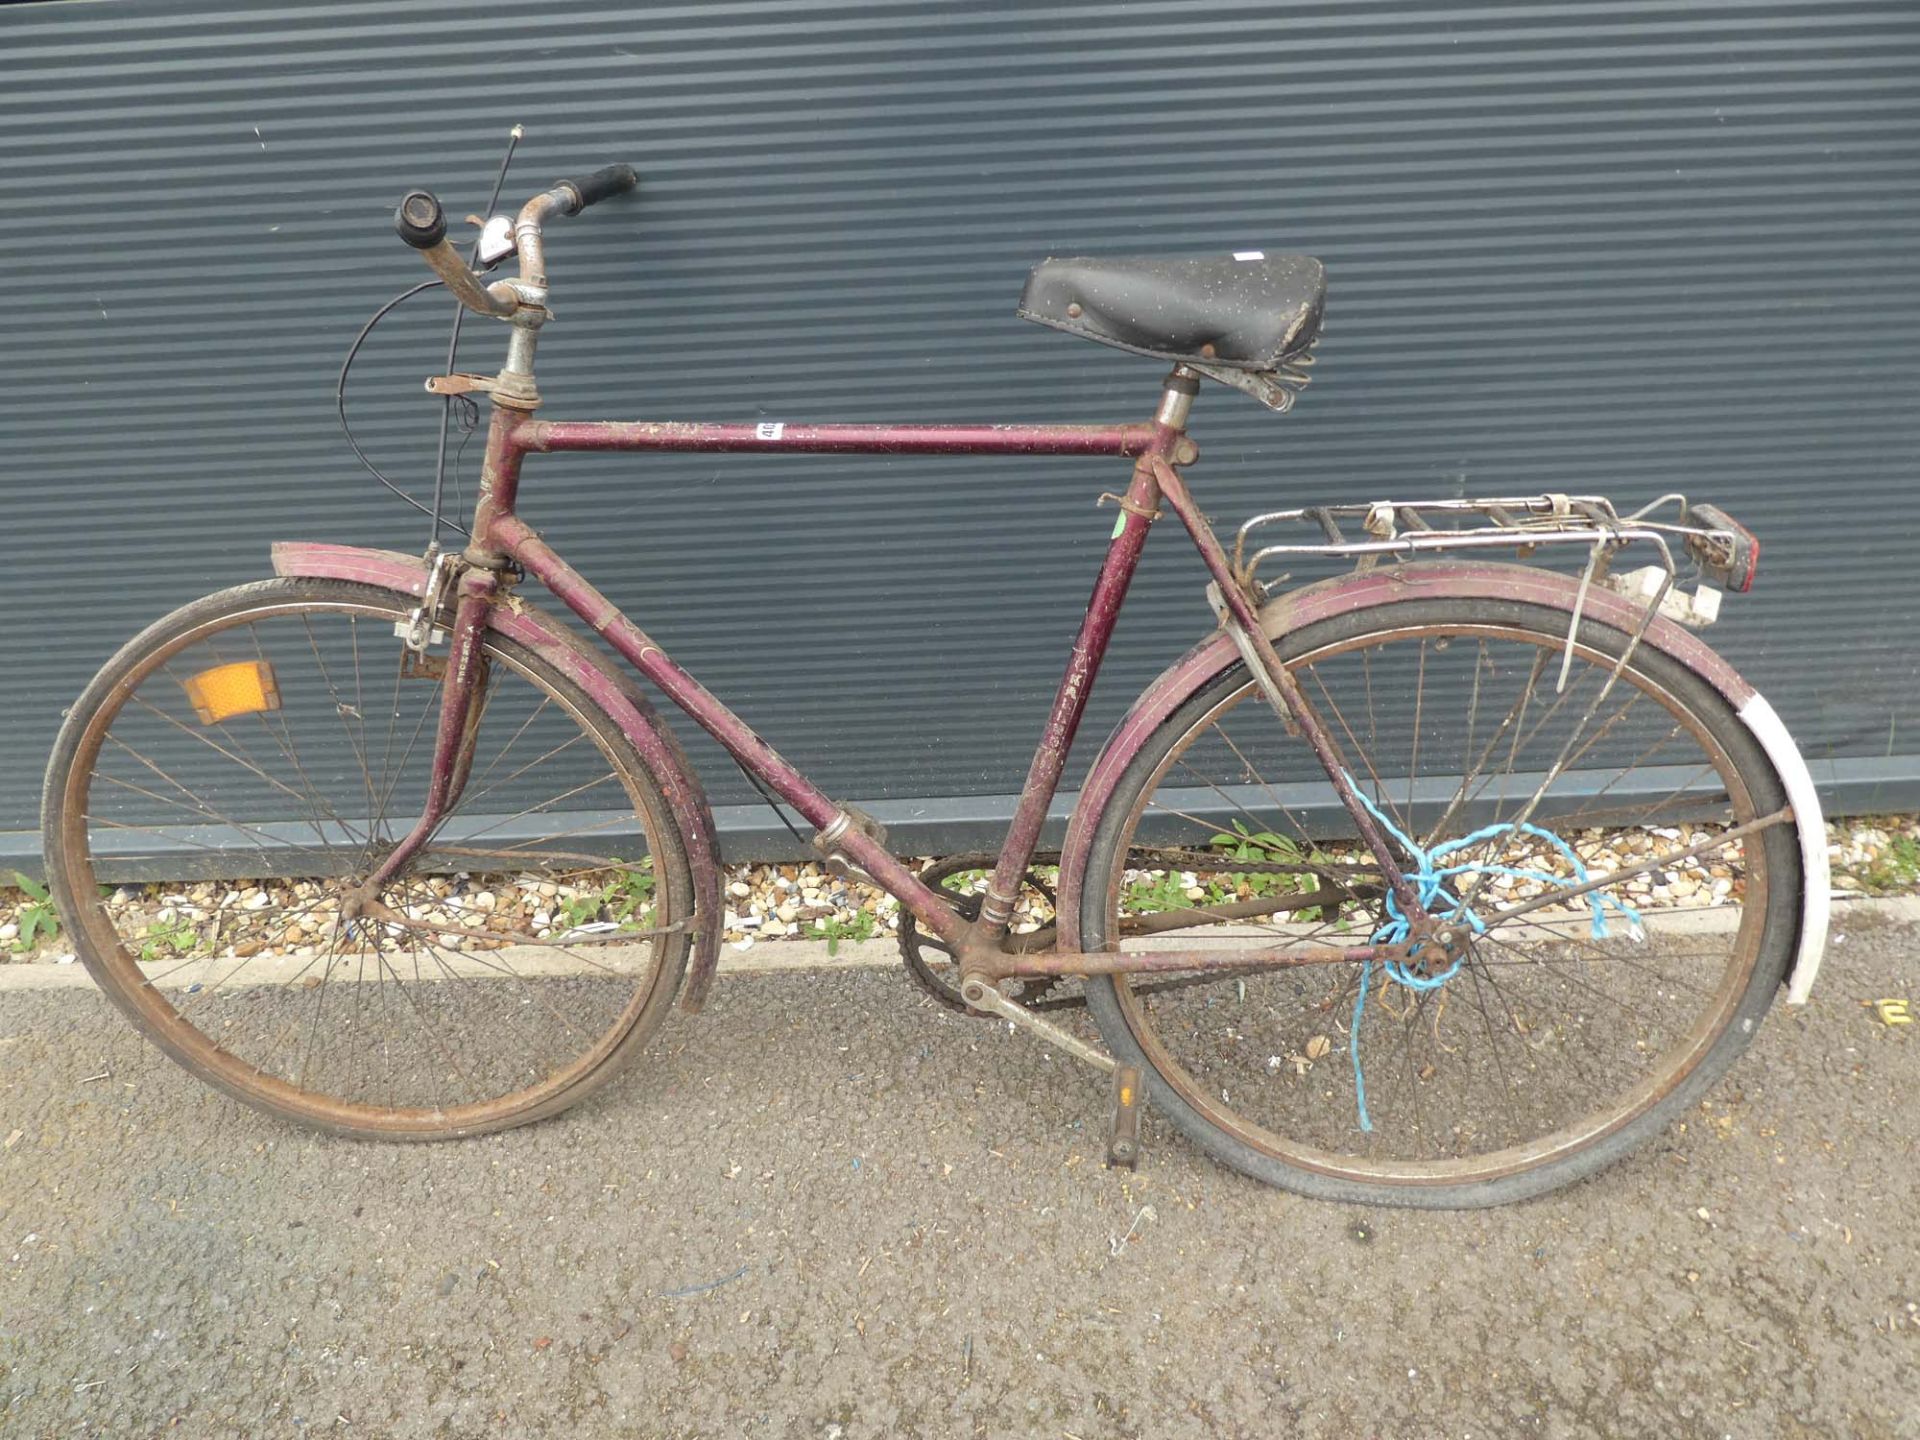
929, 963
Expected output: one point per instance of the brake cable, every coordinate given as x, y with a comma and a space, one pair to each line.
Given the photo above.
340, 405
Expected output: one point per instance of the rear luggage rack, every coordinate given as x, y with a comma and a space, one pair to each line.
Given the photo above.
1726, 552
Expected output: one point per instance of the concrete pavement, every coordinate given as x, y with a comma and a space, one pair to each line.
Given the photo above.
826, 1208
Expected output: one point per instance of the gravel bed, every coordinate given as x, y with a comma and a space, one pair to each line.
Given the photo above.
766, 903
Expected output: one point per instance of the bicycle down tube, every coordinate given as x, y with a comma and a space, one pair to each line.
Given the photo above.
501, 537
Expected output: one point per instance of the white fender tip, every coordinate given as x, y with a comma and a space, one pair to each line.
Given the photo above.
1816, 900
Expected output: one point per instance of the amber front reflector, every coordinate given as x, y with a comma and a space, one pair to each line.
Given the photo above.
245, 687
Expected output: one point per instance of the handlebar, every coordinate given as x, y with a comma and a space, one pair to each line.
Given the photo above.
602, 184
421, 222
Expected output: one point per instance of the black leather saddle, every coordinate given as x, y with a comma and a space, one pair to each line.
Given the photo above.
1248, 320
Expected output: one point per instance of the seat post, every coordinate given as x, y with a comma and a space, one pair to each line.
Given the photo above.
1176, 399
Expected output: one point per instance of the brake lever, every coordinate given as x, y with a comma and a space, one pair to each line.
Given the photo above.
496, 240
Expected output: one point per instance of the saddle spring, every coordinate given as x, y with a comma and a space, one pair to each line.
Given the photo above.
1276, 389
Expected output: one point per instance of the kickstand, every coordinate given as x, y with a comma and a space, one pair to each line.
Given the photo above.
1123, 1131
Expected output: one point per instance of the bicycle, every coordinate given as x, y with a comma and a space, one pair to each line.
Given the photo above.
1439, 881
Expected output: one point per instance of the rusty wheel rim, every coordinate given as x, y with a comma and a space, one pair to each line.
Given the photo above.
171, 1025
1678, 1060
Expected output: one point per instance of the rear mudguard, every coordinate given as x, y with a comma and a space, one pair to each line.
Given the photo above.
1444, 579
616, 693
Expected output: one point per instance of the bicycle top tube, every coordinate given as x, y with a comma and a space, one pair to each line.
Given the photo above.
832, 439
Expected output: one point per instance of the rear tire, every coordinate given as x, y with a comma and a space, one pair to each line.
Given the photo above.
1258, 1076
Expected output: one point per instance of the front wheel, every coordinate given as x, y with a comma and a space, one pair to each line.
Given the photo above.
1564, 1035
220, 796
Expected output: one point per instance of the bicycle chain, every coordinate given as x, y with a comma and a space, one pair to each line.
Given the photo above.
914, 944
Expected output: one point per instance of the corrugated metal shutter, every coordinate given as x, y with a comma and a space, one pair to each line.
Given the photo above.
1617, 247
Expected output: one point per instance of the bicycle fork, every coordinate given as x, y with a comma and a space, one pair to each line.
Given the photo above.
458, 725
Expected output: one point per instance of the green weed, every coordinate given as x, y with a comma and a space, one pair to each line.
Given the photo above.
625, 898
1164, 892
833, 929
161, 942
1896, 868
38, 919
1265, 847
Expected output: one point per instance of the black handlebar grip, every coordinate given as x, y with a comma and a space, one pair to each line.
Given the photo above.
602, 184
420, 221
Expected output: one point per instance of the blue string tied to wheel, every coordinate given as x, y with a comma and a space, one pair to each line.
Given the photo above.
1430, 879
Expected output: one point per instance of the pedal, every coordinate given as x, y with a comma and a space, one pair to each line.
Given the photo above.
1123, 1131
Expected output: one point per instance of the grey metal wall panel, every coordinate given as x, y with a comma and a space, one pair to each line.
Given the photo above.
1627, 247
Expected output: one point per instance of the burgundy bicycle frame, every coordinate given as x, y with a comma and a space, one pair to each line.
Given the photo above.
500, 538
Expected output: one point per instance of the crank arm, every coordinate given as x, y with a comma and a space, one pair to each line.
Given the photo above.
983, 996
1123, 1120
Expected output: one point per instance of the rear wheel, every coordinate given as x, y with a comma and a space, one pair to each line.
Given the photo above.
1564, 1035
224, 788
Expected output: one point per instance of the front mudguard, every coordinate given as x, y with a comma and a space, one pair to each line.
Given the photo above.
616, 693
1446, 579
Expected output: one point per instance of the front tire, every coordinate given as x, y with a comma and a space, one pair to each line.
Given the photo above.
222, 789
